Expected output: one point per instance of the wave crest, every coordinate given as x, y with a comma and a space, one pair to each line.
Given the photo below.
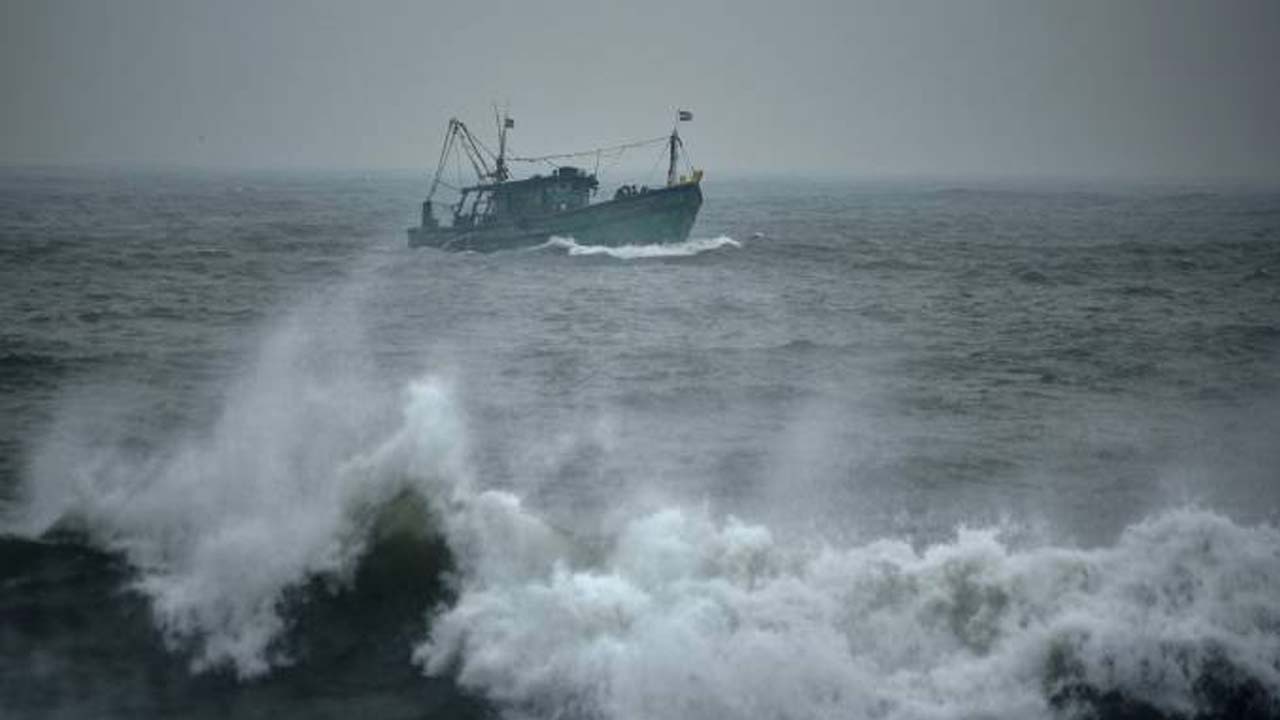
284, 488
687, 617
674, 613
690, 247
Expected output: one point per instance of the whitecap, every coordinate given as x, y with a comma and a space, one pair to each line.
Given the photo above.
690, 247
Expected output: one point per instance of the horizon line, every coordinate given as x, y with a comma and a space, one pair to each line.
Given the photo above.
733, 174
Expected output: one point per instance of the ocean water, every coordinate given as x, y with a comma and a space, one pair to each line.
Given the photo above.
855, 450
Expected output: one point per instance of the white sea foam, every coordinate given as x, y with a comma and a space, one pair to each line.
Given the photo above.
676, 613
687, 617
692, 246
281, 489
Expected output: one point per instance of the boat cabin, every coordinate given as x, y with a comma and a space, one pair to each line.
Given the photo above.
567, 188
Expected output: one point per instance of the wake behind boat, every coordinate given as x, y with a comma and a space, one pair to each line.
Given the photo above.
499, 213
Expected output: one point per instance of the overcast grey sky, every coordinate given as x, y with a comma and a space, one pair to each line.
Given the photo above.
1138, 88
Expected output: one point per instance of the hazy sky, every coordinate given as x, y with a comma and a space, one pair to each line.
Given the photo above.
1150, 88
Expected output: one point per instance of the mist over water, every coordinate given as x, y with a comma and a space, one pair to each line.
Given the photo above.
851, 451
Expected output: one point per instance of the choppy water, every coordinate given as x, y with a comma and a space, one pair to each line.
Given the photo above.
911, 450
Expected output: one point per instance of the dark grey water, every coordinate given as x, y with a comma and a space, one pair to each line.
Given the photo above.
857, 449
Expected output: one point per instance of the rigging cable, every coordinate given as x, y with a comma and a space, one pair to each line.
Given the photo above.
559, 156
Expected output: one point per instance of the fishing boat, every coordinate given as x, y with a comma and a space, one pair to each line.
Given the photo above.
499, 212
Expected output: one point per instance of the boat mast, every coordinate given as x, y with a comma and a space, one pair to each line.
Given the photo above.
671, 167
505, 122
675, 144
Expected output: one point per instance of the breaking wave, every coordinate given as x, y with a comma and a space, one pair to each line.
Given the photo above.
285, 487
688, 617
675, 613
692, 246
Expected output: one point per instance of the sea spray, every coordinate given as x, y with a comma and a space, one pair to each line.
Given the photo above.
282, 489
689, 617
673, 612
677, 612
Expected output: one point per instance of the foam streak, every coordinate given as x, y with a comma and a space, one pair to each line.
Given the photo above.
688, 248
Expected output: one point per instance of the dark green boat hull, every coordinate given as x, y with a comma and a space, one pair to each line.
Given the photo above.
664, 215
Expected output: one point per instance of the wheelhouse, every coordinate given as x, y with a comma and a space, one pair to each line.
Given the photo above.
567, 188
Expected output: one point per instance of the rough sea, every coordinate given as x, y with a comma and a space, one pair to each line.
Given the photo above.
898, 450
